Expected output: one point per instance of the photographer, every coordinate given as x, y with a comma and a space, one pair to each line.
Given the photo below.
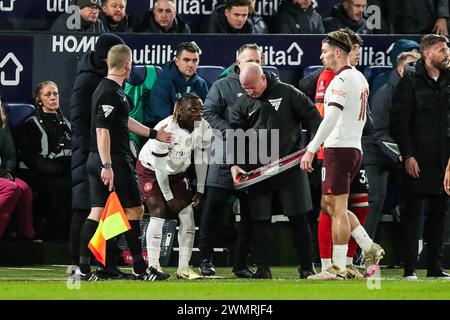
44, 153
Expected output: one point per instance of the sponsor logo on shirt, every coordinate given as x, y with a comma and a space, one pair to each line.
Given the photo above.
107, 109
276, 103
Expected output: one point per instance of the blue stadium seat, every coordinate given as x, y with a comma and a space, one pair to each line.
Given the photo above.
17, 114
310, 69
371, 72
210, 73
272, 69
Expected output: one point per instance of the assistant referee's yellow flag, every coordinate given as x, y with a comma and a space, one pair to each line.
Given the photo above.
112, 223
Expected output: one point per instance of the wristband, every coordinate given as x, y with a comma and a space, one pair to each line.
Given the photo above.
153, 134
106, 165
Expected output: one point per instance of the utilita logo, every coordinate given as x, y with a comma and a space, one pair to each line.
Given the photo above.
58, 5
17, 68
7, 5
292, 56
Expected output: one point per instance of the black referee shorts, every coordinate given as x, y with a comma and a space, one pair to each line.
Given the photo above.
125, 181
293, 192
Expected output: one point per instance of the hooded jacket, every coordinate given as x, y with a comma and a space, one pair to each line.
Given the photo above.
338, 19
149, 24
291, 18
402, 45
218, 23
60, 25
91, 70
167, 88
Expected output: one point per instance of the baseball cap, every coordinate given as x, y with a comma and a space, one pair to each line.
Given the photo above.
89, 3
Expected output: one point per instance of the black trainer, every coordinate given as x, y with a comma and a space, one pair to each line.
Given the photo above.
206, 268
263, 273
441, 274
245, 272
152, 274
90, 276
113, 273
305, 273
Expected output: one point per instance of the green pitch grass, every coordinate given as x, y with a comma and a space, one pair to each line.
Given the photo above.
50, 282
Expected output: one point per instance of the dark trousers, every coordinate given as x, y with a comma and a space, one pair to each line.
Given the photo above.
435, 224
216, 203
379, 177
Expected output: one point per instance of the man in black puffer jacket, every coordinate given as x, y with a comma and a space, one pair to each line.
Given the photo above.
348, 14
295, 16
419, 125
231, 17
91, 70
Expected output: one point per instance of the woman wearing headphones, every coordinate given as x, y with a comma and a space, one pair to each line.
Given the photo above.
44, 144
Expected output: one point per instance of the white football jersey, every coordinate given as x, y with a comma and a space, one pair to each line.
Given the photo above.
349, 91
179, 150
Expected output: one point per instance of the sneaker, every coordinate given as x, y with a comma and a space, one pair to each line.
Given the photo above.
305, 273
188, 274
439, 274
206, 268
113, 273
332, 273
372, 258
409, 274
90, 276
245, 272
152, 274
353, 272
262, 273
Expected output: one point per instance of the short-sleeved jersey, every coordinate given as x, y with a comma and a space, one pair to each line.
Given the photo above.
179, 150
349, 92
110, 111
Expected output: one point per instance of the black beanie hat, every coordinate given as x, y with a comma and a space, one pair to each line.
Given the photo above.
105, 42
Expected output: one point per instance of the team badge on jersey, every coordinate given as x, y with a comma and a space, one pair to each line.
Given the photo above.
148, 187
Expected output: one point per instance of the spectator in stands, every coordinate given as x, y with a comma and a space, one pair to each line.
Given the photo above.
348, 14
16, 196
220, 189
382, 163
44, 148
231, 17
163, 18
258, 22
178, 76
387, 11
92, 69
297, 17
88, 19
418, 123
255, 110
114, 17
421, 16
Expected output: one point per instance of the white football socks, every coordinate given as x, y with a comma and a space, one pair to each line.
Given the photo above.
153, 237
186, 235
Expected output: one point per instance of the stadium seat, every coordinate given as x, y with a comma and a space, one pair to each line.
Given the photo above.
17, 114
272, 69
310, 69
371, 72
209, 73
